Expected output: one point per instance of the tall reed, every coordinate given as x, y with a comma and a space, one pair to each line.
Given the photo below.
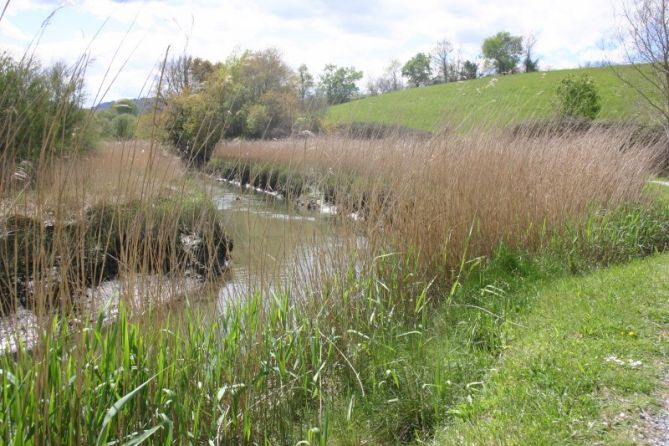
436, 197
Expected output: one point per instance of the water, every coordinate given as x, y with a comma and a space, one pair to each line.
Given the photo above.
276, 245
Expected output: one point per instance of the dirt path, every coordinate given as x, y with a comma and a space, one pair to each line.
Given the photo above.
656, 426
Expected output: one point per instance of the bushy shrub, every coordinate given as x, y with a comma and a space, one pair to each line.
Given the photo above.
123, 126
252, 95
257, 120
40, 109
577, 97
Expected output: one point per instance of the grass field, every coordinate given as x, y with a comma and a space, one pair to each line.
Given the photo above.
498, 99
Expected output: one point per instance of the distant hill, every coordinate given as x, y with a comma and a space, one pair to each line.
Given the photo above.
489, 100
143, 104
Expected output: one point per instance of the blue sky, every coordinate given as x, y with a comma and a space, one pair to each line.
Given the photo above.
126, 39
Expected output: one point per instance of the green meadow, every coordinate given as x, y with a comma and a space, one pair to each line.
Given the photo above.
496, 100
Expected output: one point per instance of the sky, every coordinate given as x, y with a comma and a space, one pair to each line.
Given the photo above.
125, 40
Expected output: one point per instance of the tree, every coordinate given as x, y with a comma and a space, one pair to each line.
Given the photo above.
177, 74
125, 106
123, 126
338, 84
418, 70
394, 74
644, 38
469, 70
186, 74
305, 83
503, 51
193, 127
440, 55
390, 80
256, 78
578, 98
529, 64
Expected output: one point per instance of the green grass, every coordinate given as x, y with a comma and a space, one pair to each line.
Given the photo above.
559, 380
510, 99
659, 191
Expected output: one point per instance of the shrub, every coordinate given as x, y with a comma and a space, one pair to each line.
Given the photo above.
577, 97
39, 109
194, 127
123, 126
257, 120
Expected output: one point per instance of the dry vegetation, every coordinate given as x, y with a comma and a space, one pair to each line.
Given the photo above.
121, 212
117, 172
436, 197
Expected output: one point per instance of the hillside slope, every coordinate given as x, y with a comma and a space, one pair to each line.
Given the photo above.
497, 100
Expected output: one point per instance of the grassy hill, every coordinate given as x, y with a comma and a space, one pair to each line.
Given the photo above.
497, 100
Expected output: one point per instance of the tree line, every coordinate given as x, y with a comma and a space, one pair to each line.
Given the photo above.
501, 53
256, 94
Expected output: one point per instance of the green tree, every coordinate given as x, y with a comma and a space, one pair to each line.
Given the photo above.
503, 51
125, 106
469, 70
417, 70
577, 97
194, 127
305, 83
258, 120
40, 109
338, 84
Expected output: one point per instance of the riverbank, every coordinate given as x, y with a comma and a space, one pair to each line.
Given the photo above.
585, 365
384, 327
78, 236
365, 370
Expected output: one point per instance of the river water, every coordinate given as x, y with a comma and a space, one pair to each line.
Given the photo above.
276, 244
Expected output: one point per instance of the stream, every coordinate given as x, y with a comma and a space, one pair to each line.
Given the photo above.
276, 247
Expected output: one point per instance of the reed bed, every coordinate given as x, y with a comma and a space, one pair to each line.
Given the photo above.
115, 172
451, 194
124, 212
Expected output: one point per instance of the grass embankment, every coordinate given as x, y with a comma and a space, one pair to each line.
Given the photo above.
498, 100
590, 357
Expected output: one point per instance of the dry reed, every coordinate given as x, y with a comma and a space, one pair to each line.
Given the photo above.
439, 197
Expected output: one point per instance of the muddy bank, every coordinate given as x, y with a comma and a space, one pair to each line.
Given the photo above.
47, 264
309, 191
25, 326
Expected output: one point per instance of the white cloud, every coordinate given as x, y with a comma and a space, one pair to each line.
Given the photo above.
345, 32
